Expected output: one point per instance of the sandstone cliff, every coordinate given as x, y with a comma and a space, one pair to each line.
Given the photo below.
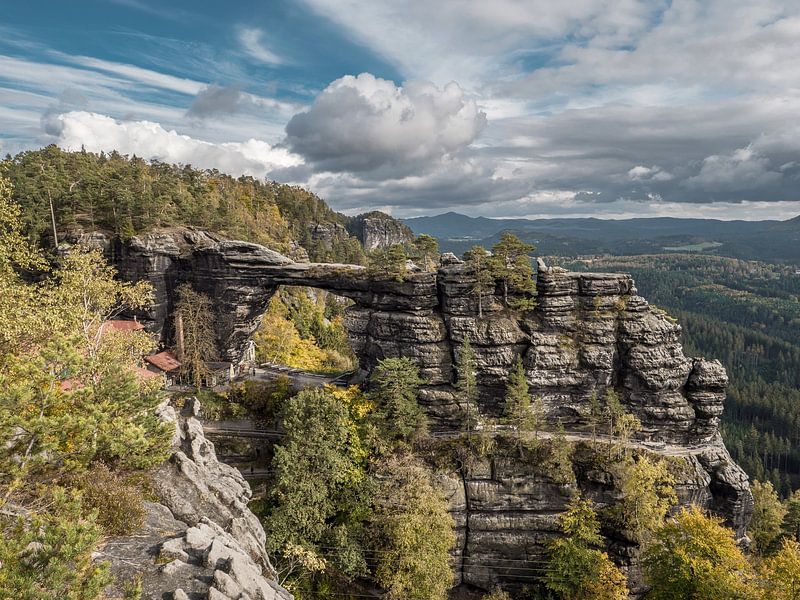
199, 540
587, 334
379, 230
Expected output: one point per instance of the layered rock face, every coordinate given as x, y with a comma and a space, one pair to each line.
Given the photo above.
587, 335
200, 540
378, 230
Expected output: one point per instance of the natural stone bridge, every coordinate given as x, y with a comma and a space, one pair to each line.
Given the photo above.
588, 333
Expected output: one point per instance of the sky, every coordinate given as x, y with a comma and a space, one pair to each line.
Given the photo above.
501, 108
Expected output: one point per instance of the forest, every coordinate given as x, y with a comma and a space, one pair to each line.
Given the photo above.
126, 196
746, 314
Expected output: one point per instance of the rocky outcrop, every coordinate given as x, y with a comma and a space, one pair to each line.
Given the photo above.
589, 334
379, 230
199, 540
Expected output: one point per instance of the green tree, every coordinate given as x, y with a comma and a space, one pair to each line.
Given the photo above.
395, 385
558, 464
426, 250
511, 264
194, 330
467, 384
768, 514
576, 568
320, 485
791, 521
622, 424
779, 574
694, 556
389, 263
523, 415
47, 555
68, 393
413, 533
477, 261
648, 492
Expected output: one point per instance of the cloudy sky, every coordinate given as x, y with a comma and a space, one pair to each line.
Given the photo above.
607, 108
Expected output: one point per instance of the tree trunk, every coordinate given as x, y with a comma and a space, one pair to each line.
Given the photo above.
53, 220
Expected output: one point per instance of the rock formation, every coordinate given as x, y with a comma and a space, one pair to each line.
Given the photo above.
378, 230
589, 333
200, 540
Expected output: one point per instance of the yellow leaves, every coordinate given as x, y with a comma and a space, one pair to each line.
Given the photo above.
779, 575
278, 341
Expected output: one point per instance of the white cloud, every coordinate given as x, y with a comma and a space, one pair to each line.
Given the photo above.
473, 41
654, 173
365, 123
251, 40
142, 76
743, 169
151, 141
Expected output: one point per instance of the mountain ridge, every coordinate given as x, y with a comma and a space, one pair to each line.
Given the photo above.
767, 240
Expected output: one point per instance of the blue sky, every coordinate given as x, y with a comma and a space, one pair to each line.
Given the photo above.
506, 108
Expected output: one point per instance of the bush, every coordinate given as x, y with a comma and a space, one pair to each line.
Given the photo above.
117, 498
48, 555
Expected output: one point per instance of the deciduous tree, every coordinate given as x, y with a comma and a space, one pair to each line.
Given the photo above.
779, 574
413, 533
694, 556
194, 318
648, 492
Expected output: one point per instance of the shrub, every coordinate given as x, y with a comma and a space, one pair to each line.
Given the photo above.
117, 498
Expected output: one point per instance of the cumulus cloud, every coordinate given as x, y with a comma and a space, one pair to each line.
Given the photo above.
216, 100
363, 123
149, 140
743, 169
654, 173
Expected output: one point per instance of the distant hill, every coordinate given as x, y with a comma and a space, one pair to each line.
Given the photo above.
772, 241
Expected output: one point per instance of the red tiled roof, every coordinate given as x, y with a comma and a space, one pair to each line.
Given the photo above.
165, 361
123, 325
69, 385
143, 373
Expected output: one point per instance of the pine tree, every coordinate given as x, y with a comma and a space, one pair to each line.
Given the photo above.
395, 384
426, 250
477, 260
576, 568
791, 521
768, 515
467, 384
511, 264
524, 416
388, 263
